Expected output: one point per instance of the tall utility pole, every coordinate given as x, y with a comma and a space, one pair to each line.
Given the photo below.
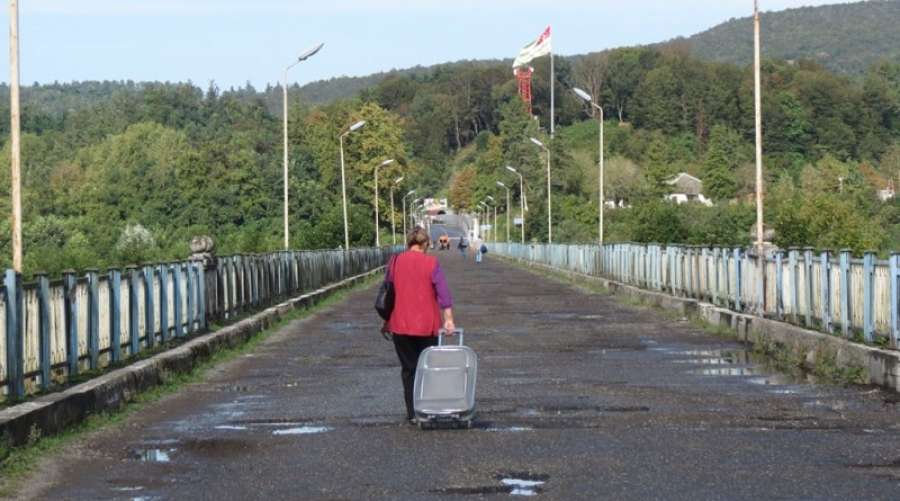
521, 198
500, 183
393, 226
14, 144
284, 87
757, 104
352, 128
377, 229
594, 106
549, 205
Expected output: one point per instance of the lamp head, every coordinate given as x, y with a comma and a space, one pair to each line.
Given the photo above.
387, 162
397, 181
511, 169
490, 198
410, 193
535, 141
357, 125
500, 183
582, 94
310, 53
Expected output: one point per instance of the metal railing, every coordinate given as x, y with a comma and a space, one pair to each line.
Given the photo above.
830, 292
55, 329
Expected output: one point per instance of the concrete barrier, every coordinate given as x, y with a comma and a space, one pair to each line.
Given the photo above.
53, 413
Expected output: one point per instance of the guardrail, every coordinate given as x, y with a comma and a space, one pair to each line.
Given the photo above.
820, 290
55, 329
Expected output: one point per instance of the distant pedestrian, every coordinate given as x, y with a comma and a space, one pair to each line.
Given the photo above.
482, 250
463, 245
421, 299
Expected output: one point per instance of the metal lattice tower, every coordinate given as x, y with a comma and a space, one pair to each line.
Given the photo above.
523, 76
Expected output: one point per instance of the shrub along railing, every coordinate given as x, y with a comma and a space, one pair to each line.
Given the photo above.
859, 298
54, 329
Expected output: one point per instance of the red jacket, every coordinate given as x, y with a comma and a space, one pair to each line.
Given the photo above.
418, 283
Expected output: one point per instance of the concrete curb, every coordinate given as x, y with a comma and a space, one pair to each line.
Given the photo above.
880, 367
53, 413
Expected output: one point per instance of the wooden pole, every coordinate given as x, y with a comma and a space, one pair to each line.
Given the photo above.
15, 131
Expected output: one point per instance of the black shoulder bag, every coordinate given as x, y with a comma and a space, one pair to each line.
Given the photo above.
384, 301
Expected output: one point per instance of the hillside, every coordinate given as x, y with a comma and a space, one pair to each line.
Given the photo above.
845, 38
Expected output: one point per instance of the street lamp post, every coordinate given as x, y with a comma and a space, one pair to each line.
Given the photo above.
549, 209
757, 106
414, 211
302, 57
594, 106
377, 235
352, 128
500, 183
494, 223
411, 192
394, 227
521, 198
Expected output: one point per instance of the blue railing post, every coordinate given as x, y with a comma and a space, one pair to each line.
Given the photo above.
779, 285
163, 273
43, 294
176, 299
93, 332
149, 324
201, 280
71, 321
134, 323
895, 299
738, 280
869, 296
807, 264
845, 292
115, 315
714, 286
793, 258
15, 323
190, 293
825, 280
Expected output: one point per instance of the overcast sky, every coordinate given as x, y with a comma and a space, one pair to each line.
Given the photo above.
235, 41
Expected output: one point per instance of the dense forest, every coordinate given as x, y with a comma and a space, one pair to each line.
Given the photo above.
845, 38
124, 172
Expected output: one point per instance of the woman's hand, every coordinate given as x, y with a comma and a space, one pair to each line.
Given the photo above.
449, 326
384, 327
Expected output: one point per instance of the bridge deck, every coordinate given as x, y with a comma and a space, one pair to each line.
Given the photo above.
595, 398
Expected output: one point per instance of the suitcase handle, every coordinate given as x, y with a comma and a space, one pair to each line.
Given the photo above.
454, 332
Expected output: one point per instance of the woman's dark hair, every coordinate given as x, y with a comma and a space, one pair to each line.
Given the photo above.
418, 236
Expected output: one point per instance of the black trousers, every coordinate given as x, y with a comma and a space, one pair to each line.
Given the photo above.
408, 350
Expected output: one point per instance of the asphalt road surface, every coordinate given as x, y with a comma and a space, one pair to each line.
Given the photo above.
579, 397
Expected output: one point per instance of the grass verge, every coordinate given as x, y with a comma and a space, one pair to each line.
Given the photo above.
19, 462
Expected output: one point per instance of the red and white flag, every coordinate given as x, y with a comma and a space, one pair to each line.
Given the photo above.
534, 50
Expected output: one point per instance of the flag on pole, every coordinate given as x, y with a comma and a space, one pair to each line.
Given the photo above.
534, 50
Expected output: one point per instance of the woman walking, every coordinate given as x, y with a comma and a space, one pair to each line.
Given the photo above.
421, 299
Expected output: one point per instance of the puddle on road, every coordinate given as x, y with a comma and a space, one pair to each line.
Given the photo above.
510, 429
728, 371
514, 484
521, 487
303, 430
153, 455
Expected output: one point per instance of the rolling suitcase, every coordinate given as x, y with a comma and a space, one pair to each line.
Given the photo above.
444, 389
